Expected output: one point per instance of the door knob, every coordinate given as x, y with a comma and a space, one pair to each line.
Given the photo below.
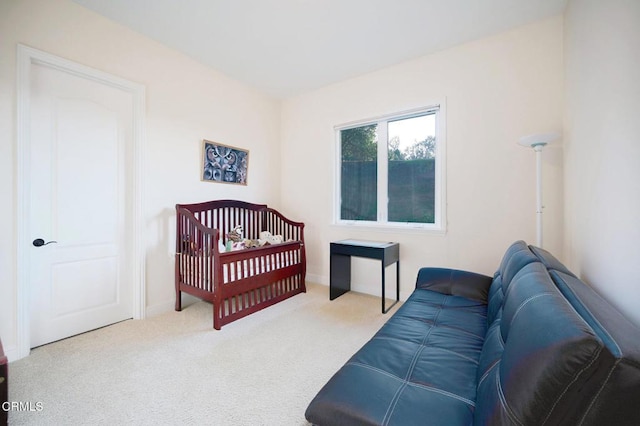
39, 242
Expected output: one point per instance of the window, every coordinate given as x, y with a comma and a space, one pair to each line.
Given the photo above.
390, 171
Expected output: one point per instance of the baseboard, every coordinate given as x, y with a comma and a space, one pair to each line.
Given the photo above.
169, 305
12, 353
317, 279
159, 308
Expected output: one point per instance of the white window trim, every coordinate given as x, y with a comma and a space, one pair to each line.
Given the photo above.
439, 227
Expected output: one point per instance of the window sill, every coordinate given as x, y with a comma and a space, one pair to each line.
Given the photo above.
391, 227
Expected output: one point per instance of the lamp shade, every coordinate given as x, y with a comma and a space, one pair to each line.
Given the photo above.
538, 139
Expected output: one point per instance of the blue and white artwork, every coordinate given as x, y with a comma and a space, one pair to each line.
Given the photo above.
225, 164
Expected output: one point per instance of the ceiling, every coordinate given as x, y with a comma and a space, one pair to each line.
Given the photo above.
286, 47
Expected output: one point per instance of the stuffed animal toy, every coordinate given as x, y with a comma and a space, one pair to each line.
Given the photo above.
266, 238
236, 234
251, 243
237, 245
236, 242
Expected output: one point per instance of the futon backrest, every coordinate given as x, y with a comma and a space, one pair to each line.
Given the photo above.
555, 351
539, 356
616, 400
515, 258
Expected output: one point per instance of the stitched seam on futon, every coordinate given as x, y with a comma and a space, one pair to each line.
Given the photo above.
526, 302
405, 382
484, 376
376, 369
501, 341
462, 330
392, 405
475, 361
449, 327
597, 395
468, 335
396, 397
503, 401
426, 336
575, 377
443, 392
425, 302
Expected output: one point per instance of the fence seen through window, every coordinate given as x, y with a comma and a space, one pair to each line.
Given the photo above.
388, 170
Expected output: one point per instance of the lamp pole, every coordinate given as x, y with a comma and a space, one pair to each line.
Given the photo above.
538, 149
537, 142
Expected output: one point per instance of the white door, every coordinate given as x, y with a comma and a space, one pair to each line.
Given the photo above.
80, 175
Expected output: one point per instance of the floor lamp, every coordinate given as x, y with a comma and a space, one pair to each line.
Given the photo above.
537, 142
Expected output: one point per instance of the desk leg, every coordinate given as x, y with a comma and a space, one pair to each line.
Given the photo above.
384, 311
398, 281
383, 286
339, 275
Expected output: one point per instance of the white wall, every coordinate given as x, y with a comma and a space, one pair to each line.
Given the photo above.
602, 147
496, 89
186, 102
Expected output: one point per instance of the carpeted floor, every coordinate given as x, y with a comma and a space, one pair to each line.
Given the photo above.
176, 369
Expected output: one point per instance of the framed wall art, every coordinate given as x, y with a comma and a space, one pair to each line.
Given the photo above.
224, 164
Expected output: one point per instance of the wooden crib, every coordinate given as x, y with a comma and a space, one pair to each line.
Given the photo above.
237, 283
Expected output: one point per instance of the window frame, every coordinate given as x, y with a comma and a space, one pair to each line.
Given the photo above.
382, 223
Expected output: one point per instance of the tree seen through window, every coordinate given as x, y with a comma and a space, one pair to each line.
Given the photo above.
410, 145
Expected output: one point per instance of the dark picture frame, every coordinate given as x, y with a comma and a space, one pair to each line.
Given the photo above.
223, 163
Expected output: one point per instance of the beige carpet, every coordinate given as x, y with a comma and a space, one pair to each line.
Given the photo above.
176, 369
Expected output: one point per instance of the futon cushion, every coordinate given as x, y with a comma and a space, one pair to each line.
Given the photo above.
420, 365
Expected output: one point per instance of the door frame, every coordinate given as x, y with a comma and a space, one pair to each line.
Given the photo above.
26, 57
